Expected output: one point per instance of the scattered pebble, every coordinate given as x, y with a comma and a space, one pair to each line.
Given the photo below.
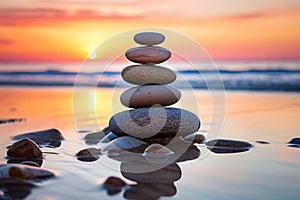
262, 142
114, 182
89, 154
24, 148
228, 146
23, 171
43, 137
124, 144
14, 120
294, 141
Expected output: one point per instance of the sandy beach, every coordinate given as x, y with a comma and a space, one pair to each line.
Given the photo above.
268, 171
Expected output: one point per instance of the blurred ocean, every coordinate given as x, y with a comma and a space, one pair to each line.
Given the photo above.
237, 75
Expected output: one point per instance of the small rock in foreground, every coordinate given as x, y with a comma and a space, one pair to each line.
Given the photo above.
25, 148
23, 171
88, 155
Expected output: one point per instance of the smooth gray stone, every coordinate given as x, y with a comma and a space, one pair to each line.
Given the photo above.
88, 155
124, 144
149, 95
148, 74
42, 137
294, 141
148, 54
149, 38
154, 122
228, 146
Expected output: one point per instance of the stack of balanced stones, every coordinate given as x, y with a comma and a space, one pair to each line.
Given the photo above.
150, 120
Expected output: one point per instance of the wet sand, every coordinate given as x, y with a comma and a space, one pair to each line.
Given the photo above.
265, 171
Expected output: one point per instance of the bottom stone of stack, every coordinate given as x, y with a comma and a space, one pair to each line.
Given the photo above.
155, 122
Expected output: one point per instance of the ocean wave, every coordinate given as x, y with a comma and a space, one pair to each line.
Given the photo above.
269, 79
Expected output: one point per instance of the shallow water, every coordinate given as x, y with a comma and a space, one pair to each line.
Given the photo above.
266, 171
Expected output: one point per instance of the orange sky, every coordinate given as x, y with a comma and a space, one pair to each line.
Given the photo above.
67, 30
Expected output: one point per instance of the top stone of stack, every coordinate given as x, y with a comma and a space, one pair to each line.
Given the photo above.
148, 54
149, 38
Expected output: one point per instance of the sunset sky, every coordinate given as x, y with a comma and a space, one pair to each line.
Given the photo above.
67, 30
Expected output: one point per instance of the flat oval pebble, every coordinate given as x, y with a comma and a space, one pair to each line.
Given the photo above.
149, 38
23, 171
124, 144
25, 148
42, 137
262, 142
228, 146
149, 95
148, 54
148, 74
294, 141
157, 122
157, 150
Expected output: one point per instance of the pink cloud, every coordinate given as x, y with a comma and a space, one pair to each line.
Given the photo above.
19, 16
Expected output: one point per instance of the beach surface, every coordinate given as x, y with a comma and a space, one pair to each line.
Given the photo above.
266, 171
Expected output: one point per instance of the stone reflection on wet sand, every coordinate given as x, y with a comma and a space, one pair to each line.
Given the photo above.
152, 179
